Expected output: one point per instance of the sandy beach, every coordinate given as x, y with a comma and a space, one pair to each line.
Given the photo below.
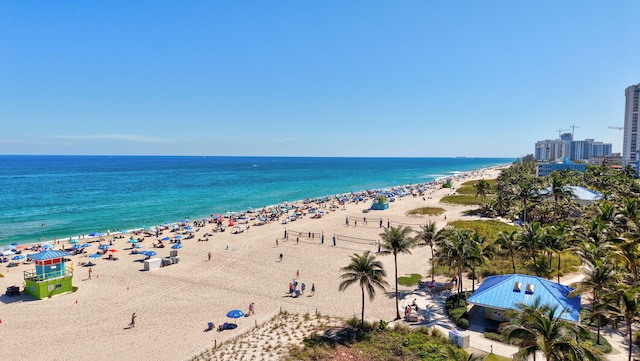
174, 304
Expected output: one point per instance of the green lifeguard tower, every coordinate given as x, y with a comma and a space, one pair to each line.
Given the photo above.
50, 277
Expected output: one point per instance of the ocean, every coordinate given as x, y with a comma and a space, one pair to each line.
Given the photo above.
43, 197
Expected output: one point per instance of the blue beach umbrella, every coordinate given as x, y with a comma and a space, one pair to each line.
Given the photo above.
15, 244
95, 255
85, 245
235, 314
166, 239
178, 236
18, 257
95, 234
103, 246
132, 240
176, 246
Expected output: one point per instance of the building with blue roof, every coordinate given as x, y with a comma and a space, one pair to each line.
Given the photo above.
50, 276
498, 294
582, 196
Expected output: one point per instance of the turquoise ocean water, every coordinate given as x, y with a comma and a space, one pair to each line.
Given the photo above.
65, 196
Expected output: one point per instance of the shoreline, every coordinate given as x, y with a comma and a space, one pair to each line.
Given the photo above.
175, 303
108, 232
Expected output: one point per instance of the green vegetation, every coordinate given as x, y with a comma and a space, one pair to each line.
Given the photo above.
465, 200
398, 343
426, 211
490, 229
494, 357
456, 308
410, 281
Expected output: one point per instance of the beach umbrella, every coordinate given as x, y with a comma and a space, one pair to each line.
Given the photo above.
95, 234
7, 252
166, 239
95, 255
15, 244
21, 246
188, 227
73, 241
76, 246
178, 236
103, 246
138, 245
113, 250
85, 245
150, 253
18, 257
133, 240
176, 246
235, 314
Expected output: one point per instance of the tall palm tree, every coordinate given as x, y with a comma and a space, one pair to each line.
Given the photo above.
542, 331
431, 236
366, 271
397, 241
530, 240
508, 241
624, 304
478, 253
482, 187
599, 275
456, 251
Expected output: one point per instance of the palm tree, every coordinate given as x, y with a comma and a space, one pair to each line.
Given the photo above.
397, 241
542, 331
368, 272
624, 304
599, 276
529, 240
508, 241
456, 252
482, 188
430, 236
478, 253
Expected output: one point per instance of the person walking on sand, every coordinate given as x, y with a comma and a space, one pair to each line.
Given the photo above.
302, 287
280, 257
90, 271
297, 273
276, 242
209, 256
313, 289
251, 309
133, 320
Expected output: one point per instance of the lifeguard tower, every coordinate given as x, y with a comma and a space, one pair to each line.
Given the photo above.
51, 277
380, 204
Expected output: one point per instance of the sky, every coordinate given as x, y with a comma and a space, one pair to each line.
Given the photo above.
322, 78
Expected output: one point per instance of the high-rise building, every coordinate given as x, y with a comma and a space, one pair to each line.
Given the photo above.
630, 140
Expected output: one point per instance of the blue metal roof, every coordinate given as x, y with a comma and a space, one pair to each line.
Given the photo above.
500, 292
41, 256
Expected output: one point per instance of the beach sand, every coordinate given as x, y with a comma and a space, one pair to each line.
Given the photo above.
174, 303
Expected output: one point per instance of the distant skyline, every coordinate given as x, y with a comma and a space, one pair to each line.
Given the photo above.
330, 78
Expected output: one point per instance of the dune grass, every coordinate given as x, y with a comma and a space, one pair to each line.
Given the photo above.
426, 211
465, 200
410, 280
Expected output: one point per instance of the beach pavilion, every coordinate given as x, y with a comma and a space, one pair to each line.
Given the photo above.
498, 294
50, 277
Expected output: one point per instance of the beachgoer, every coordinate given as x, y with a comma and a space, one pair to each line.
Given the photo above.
251, 309
302, 287
276, 242
313, 289
133, 320
355, 223
297, 240
90, 270
280, 257
380, 222
209, 256
297, 273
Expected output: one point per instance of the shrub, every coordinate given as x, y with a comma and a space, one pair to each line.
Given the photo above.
463, 323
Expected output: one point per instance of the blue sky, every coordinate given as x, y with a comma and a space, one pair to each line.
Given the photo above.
302, 78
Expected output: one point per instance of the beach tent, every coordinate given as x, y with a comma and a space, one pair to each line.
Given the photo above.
238, 229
